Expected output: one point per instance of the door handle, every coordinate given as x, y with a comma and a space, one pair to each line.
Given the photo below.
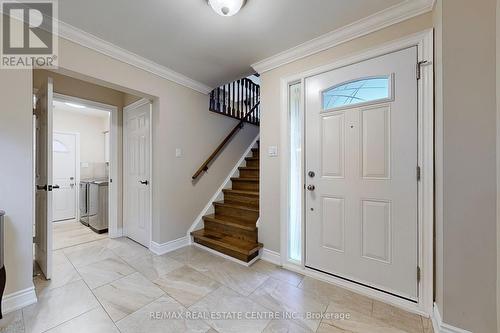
144, 182
55, 187
311, 187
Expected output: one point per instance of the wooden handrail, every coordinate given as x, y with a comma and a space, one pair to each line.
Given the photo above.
241, 124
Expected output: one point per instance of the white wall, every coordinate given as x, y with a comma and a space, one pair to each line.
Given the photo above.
91, 129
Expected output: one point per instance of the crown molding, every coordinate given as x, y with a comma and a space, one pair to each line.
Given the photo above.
92, 42
365, 26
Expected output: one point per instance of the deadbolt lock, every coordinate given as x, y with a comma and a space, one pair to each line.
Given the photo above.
311, 174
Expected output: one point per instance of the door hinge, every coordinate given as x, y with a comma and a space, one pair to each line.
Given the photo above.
419, 273
419, 68
419, 173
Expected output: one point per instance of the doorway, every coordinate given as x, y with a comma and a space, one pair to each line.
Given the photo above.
361, 162
357, 179
81, 171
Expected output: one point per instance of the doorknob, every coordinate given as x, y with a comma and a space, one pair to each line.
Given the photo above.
144, 182
311, 187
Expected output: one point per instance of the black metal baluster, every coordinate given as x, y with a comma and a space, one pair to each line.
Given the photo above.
242, 111
234, 111
218, 99
224, 109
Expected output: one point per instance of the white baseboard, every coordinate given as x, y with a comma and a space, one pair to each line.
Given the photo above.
270, 256
197, 223
18, 300
170, 246
440, 327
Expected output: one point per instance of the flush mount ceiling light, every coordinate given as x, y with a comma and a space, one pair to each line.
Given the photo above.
226, 7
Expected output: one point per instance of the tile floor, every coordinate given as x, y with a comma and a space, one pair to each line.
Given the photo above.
116, 285
71, 233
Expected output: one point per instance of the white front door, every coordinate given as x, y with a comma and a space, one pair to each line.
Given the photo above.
64, 155
137, 172
43, 174
361, 173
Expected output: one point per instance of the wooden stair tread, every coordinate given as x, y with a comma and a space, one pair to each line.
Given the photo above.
249, 168
246, 179
253, 158
247, 193
236, 206
230, 221
228, 242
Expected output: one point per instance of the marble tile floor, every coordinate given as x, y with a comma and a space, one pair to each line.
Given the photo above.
71, 233
116, 285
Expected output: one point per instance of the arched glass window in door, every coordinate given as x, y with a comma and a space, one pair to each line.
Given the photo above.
59, 147
361, 91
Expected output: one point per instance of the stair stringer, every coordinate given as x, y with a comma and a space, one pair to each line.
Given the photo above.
219, 195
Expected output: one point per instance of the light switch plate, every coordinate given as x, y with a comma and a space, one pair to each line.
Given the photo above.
178, 152
272, 151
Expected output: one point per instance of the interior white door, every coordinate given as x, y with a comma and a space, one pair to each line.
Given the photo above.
64, 155
361, 145
43, 174
137, 173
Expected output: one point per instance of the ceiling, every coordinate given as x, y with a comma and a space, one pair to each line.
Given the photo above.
87, 111
189, 38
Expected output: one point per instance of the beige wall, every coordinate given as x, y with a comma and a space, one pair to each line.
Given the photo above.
498, 161
180, 120
269, 229
466, 104
16, 176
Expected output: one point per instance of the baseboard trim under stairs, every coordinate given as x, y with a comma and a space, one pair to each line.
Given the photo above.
230, 233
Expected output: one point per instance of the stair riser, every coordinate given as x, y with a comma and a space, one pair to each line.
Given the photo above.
235, 232
253, 163
255, 152
242, 214
249, 173
241, 200
234, 254
245, 186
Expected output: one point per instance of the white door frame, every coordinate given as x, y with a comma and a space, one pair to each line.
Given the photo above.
126, 109
424, 42
114, 188
77, 167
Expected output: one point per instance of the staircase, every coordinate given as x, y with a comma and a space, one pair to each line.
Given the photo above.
232, 230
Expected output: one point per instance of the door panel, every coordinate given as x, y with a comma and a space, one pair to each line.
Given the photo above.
64, 150
361, 142
43, 173
137, 177
333, 144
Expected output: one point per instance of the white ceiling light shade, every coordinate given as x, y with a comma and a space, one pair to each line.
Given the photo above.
226, 7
